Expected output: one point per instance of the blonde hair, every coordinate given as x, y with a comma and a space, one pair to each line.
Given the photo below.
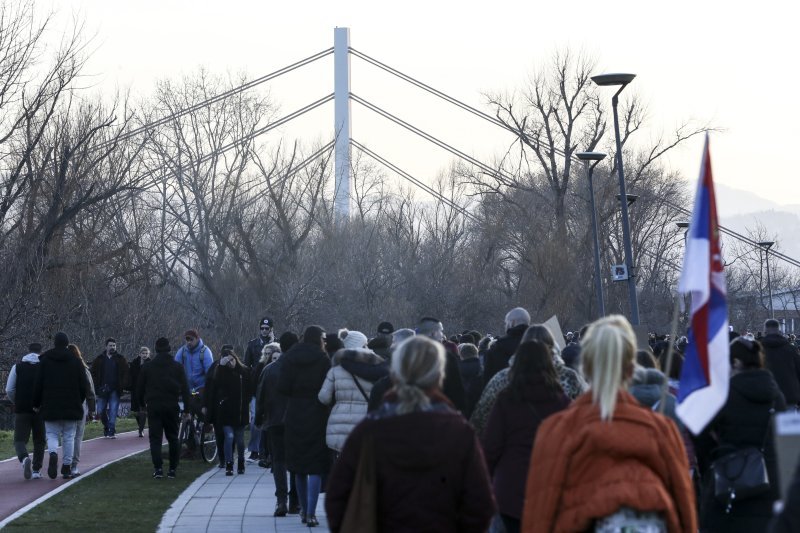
268, 351
417, 366
608, 348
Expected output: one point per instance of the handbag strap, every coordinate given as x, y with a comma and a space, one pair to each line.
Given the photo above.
769, 425
355, 379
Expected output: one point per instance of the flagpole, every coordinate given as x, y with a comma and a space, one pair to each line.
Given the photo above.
670, 351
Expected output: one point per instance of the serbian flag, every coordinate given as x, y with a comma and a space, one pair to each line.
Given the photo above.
706, 368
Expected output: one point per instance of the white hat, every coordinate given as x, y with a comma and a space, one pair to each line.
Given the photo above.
354, 340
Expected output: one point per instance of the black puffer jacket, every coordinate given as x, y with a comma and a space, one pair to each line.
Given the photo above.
501, 351
229, 394
742, 422
162, 383
472, 378
303, 372
784, 363
61, 385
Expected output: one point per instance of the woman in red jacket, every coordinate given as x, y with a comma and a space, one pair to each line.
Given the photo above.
607, 463
430, 472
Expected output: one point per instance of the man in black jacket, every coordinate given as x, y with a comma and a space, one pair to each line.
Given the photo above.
783, 361
109, 373
271, 410
162, 382
58, 394
517, 321
251, 358
19, 388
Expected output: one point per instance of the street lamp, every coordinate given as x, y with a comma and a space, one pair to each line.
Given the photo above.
631, 198
622, 80
684, 225
595, 158
766, 245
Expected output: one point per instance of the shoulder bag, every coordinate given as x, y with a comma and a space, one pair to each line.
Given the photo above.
742, 474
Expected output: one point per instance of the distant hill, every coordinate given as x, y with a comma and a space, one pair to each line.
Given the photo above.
741, 210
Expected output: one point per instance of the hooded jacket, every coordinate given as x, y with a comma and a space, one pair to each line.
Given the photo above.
784, 362
20, 383
341, 389
196, 364
303, 372
584, 468
647, 387
61, 385
162, 383
743, 421
430, 471
229, 393
501, 351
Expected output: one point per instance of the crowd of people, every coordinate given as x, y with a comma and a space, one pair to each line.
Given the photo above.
411, 430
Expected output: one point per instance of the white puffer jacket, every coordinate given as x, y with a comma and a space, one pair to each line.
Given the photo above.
349, 404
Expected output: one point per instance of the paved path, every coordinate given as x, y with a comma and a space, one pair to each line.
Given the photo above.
18, 492
219, 503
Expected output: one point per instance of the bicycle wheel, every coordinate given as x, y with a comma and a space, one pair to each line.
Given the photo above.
208, 443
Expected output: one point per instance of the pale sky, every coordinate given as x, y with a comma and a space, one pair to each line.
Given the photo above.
709, 61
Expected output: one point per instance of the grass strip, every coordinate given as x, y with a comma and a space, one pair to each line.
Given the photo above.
123, 497
92, 431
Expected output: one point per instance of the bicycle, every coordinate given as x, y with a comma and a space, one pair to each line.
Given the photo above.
194, 433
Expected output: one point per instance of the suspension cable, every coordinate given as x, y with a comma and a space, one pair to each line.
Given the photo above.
216, 98
258, 132
430, 138
501, 124
413, 180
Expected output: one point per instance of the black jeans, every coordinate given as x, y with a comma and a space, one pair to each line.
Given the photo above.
24, 425
164, 421
279, 471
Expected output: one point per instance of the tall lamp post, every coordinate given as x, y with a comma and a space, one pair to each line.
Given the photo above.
766, 245
622, 80
591, 160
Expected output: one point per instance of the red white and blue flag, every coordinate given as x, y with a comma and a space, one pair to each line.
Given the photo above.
706, 368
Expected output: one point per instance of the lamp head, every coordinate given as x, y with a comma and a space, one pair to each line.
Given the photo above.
591, 156
604, 80
682, 224
766, 244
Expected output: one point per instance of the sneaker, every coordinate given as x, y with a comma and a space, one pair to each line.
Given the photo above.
171, 473
253, 457
75, 472
262, 463
66, 471
280, 509
26, 468
294, 508
36, 475
112, 436
158, 474
312, 521
52, 466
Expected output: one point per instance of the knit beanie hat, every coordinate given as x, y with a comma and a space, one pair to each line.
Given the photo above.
162, 345
61, 340
353, 340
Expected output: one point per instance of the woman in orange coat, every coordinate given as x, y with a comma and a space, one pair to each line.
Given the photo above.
607, 462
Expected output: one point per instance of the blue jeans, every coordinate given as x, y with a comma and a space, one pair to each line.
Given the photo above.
255, 434
231, 433
308, 487
112, 402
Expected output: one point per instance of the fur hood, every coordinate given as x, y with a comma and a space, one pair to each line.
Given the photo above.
362, 355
